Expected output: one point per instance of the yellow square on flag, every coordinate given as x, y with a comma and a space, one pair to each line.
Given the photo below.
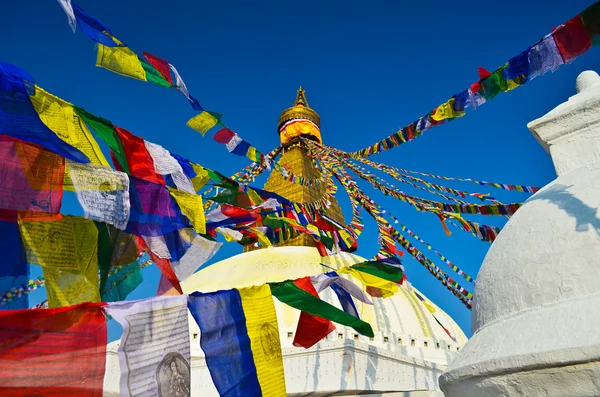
202, 122
120, 60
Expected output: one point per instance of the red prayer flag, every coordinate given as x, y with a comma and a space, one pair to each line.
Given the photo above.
53, 352
159, 64
311, 329
139, 161
224, 135
163, 264
483, 73
572, 39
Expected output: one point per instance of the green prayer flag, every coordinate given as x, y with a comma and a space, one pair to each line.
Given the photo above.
380, 269
106, 131
493, 85
287, 292
122, 282
104, 253
154, 75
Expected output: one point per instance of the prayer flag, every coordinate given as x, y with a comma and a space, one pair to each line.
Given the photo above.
310, 329
139, 161
153, 75
67, 250
152, 212
183, 88
166, 164
160, 65
105, 130
53, 352
32, 178
61, 118
68, 9
19, 119
102, 192
572, 39
154, 353
120, 60
385, 287
224, 135
288, 293
202, 122
93, 28
191, 206
240, 339
591, 21
198, 253
544, 57
446, 111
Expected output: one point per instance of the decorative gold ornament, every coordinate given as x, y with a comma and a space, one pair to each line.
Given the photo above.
300, 110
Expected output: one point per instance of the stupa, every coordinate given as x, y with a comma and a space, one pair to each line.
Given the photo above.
406, 356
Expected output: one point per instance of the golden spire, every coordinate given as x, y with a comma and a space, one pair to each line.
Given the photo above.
299, 111
301, 98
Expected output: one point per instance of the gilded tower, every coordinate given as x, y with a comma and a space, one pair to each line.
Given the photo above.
295, 122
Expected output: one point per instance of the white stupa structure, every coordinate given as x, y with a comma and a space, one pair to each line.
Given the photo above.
536, 311
405, 358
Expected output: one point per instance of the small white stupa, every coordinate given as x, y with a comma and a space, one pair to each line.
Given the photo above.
536, 312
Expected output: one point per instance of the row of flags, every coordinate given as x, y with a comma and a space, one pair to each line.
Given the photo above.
118, 58
389, 235
42, 346
150, 202
566, 42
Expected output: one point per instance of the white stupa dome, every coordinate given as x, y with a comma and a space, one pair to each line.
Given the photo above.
536, 308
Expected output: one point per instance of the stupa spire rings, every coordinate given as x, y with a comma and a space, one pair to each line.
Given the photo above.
309, 122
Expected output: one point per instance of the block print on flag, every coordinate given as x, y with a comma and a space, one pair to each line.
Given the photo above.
154, 354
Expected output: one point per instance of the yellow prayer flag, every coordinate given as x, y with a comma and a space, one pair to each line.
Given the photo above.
254, 197
202, 122
263, 332
191, 207
387, 288
253, 154
446, 111
67, 250
202, 176
60, 116
264, 241
120, 60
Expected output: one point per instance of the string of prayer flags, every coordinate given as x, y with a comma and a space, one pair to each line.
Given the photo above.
14, 270
432, 310
154, 353
567, 42
25, 289
243, 323
53, 351
429, 247
67, 250
287, 292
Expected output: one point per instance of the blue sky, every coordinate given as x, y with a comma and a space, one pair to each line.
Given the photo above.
367, 70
